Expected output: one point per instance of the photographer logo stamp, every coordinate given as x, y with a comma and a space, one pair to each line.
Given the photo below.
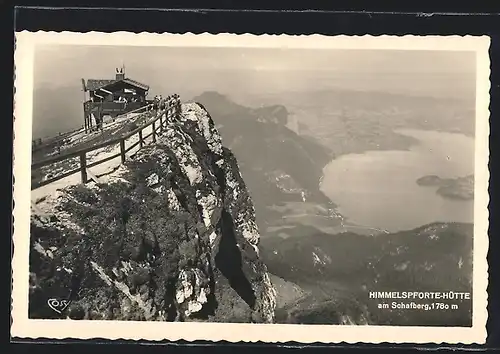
58, 305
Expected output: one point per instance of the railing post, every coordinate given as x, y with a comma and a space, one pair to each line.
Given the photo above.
140, 139
122, 150
154, 132
83, 167
161, 123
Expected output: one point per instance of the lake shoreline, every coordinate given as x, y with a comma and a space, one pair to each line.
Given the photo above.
349, 214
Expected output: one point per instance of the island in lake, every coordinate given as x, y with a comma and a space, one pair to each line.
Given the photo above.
453, 188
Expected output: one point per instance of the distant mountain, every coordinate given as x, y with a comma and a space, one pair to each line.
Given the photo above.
356, 121
338, 272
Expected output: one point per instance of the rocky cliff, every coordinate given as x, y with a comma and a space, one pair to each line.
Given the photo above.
280, 167
169, 236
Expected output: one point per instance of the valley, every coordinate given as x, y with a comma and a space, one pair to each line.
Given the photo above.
324, 264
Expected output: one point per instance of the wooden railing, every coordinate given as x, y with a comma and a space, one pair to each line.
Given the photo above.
172, 107
39, 144
113, 106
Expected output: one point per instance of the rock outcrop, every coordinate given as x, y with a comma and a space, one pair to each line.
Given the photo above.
170, 236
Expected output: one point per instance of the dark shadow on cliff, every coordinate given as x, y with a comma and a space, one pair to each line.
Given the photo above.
229, 262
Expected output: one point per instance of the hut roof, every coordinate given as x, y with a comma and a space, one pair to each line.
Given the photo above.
95, 84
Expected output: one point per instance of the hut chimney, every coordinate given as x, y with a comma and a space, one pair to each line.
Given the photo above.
120, 73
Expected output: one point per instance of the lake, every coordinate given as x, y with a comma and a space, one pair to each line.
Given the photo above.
378, 188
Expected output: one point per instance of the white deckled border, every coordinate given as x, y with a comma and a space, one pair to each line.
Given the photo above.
272, 333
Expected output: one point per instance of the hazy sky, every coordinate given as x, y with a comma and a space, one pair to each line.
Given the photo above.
238, 71
97, 59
